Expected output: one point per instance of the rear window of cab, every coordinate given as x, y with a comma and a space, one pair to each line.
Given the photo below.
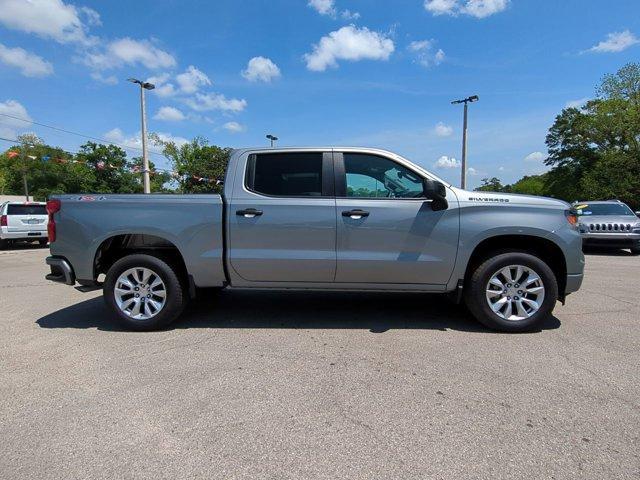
26, 210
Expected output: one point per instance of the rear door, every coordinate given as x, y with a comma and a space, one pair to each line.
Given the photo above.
282, 223
28, 218
387, 230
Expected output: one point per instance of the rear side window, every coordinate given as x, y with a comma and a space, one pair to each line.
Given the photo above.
286, 174
26, 210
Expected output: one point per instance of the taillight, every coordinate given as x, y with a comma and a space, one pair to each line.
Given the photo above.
3, 220
53, 206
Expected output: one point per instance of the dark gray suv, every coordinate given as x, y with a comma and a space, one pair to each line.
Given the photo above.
608, 223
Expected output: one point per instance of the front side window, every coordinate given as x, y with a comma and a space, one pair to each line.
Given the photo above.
286, 174
370, 176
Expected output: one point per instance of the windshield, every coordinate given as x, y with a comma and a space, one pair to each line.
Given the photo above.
603, 209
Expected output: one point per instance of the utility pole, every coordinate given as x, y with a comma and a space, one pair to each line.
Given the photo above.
24, 175
273, 138
145, 155
463, 174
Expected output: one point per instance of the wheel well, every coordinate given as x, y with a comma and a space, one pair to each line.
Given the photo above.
118, 246
546, 250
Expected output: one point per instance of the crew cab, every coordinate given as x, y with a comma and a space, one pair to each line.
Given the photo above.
320, 218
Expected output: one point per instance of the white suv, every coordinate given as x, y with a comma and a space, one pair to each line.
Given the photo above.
25, 222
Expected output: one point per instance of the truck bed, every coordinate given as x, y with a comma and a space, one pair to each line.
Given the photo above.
191, 223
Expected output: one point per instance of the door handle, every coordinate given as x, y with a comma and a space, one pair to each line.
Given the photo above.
356, 214
249, 213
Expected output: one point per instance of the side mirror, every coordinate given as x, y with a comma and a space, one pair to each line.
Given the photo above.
437, 192
637, 214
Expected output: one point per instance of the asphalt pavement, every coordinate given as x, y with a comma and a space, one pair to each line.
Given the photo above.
266, 385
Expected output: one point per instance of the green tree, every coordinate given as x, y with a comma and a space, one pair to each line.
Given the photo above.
530, 185
194, 161
595, 151
492, 184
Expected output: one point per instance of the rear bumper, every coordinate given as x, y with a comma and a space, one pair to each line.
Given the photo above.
61, 271
24, 235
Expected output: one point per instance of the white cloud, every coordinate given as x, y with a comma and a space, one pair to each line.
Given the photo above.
169, 114
484, 8
535, 157
441, 7
261, 69
442, 130
323, 7
127, 51
134, 141
108, 80
579, 103
447, 162
615, 42
192, 79
29, 64
234, 127
164, 88
424, 53
349, 15
474, 8
349, 43
472, 171
49, 19
215, 101
10, 126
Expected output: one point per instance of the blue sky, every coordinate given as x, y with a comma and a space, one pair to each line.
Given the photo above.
341, 72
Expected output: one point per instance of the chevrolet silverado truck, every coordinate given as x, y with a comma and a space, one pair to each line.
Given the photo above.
320, 218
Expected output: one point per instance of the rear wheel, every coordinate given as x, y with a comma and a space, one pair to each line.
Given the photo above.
635, 251
512, 292
144, 292
4, 244
43, 242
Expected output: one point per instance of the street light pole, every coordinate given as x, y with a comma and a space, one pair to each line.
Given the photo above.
145, 155
463, 174
24, 175
273, 138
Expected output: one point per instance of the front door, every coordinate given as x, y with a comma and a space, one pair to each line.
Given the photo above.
387, 230
282, 224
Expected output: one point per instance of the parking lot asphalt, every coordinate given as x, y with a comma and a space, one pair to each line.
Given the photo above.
318, 385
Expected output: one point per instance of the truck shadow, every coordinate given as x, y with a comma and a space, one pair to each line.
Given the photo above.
376, 312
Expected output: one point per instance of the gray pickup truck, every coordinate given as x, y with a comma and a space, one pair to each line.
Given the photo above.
320, 218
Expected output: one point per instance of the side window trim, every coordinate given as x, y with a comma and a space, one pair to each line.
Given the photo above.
341, 178
327, 180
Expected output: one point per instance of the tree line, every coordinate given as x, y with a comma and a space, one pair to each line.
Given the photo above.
196, 167
593, 151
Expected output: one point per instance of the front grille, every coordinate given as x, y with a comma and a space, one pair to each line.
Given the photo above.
610, 227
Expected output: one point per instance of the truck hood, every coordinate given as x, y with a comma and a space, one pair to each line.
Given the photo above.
508, 198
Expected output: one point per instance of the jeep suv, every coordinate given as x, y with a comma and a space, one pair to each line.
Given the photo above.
608, 223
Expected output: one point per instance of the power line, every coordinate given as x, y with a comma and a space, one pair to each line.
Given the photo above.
98, 139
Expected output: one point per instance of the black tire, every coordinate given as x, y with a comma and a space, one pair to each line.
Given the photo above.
476, 285
176, 292
43, 242
3, 244
635, 251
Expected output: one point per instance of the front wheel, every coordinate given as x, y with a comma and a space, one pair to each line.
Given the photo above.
144, 292
512, 292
